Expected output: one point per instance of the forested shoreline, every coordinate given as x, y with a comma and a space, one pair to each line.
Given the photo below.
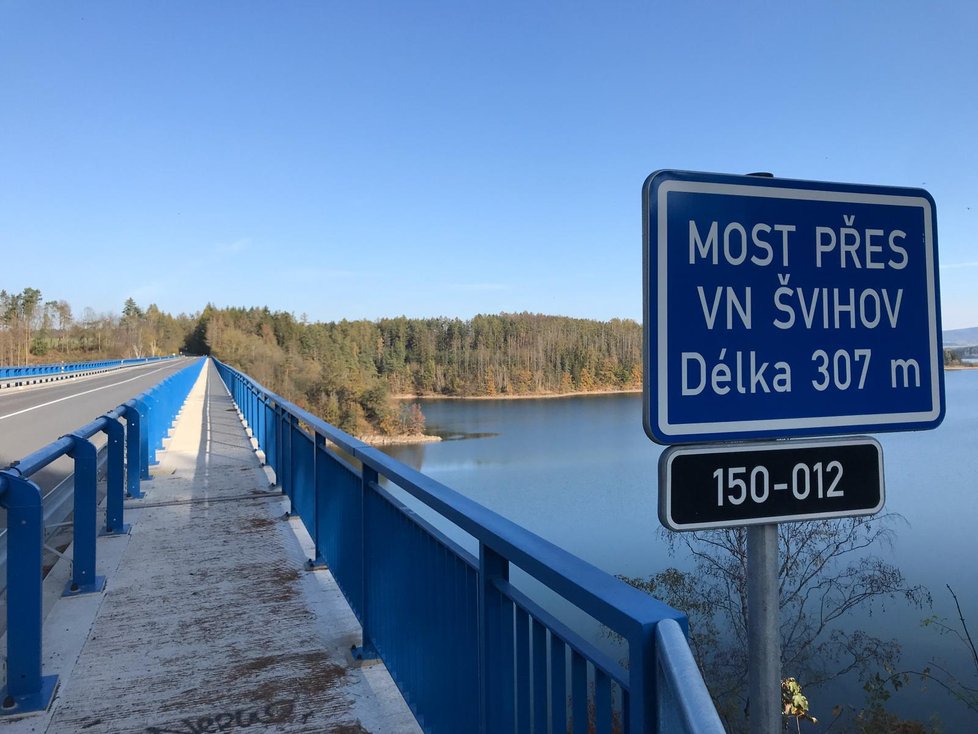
347, 372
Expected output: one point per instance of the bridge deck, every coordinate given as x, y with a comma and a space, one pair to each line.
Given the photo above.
208, 622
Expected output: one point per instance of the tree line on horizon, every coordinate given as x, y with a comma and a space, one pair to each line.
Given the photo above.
350, 373
37, 331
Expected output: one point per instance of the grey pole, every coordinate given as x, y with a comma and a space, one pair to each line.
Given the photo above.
763, 634
763, 627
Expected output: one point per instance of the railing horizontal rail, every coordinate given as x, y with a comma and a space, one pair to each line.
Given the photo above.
469, 650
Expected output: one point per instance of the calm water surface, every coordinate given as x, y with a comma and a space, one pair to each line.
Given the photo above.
580, 472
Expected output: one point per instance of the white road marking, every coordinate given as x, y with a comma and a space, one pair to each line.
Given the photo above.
79, 394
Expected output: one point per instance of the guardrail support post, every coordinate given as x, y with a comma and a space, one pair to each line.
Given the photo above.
83, 578
115, 480
144, 430
26, 689
133, 444
152, 440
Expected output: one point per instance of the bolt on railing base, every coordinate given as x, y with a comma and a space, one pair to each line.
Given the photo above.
365, 654
29, 703
73, 589
120, 531
317, 564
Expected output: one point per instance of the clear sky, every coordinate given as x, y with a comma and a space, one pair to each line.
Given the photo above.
366, 159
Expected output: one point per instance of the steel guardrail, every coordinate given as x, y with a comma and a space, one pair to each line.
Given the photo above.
20, 376
131, 449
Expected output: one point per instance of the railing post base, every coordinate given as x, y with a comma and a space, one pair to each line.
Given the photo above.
29, 703
96, 587
317, 564
118, 532
365, 654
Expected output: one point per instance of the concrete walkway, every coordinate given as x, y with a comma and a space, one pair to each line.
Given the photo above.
208, 622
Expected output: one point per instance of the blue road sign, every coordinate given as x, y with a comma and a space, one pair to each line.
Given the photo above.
778, 308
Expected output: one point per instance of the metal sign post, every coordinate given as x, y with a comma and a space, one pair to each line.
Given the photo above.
779, 309
763, 627
763, 630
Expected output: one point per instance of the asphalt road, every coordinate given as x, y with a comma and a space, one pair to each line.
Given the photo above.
34, 416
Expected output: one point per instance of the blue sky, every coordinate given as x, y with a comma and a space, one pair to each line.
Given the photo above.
370, 159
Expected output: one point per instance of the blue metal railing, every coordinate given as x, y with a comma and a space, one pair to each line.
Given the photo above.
129, 454
9, 372
470, 651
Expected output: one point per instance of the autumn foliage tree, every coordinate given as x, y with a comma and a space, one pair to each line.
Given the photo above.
828, 569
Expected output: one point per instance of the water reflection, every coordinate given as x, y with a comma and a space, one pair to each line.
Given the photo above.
581, 473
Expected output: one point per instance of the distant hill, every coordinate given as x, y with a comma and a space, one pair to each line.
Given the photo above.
961, 337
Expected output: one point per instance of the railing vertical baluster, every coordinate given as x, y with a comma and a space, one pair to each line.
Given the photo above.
435, 605
579, 692
602, 702
539, 678
449, 631
497, 713
289, 463
626, 715
259, 409
279, 431
368, 476
413, 612
507, 669
263, 426
319, 465
558, 685
257, 415
241, 403
523, 706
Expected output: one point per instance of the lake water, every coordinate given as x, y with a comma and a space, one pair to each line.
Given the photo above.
580, 472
